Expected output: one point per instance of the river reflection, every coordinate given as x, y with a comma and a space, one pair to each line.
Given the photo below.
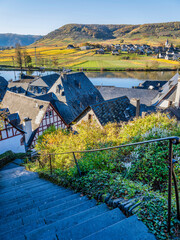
118, 79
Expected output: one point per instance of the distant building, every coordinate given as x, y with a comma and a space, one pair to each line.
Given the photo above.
167, 44
115, 52
85, 48
151, 85
70, 46
100, 51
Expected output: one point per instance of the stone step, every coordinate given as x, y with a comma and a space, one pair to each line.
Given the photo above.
45, 212
92, 225
33, 182
40, 205
23, 229
32, 202
52, 228
36, 197
19, 231
24, 176
128, 229
31, 194
31, 186
62, 214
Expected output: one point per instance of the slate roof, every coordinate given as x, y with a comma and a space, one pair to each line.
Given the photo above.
12, 119
114, 110
74, 92
173, 112
167, 89
18, 87
3, 82
3, 87
45, 81
25, 107
157, 85
145, 96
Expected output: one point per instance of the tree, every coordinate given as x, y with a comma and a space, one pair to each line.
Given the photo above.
55, 61
28, 60
18, 55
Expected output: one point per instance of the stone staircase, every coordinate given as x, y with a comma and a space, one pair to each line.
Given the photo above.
35, 209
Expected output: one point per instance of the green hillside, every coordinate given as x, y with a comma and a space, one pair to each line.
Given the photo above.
77, 33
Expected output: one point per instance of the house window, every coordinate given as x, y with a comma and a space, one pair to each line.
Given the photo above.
89, 117
50, 113
57, 89
62, 94
47, 114
170, 103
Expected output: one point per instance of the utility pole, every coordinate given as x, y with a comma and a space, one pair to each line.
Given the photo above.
35, 57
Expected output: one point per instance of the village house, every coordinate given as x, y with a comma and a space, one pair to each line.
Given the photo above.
85, 48
72, 93
41, 85
100, 51
113, 110
169, 95
11, 133
35, 115
33, 86
115, 52
70, 46
152, 85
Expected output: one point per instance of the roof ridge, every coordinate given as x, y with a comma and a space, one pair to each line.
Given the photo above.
27, 97
109, 100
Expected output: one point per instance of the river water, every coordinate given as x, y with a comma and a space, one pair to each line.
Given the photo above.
118, 79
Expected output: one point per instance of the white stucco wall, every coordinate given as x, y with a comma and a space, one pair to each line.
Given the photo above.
164, 104
13, 144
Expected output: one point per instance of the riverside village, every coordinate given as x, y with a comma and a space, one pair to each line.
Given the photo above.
90, 120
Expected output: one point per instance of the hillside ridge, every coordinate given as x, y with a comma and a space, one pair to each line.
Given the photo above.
101, 32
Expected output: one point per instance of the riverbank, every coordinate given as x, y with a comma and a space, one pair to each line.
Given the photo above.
11, 68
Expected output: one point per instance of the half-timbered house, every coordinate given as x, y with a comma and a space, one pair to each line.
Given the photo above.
35, 115
11, 135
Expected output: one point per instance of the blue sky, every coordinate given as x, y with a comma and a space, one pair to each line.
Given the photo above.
43, 16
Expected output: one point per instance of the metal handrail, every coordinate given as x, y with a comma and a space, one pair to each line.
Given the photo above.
172, 140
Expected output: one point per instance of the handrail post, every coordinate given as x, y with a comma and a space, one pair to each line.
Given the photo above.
170, 183
79, 171
177, 195
50, 163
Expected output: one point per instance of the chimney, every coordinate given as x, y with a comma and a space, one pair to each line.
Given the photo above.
177, 97
136, 102
27, 128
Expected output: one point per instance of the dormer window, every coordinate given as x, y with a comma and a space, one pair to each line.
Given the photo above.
35, 89
62, 93
44, 90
